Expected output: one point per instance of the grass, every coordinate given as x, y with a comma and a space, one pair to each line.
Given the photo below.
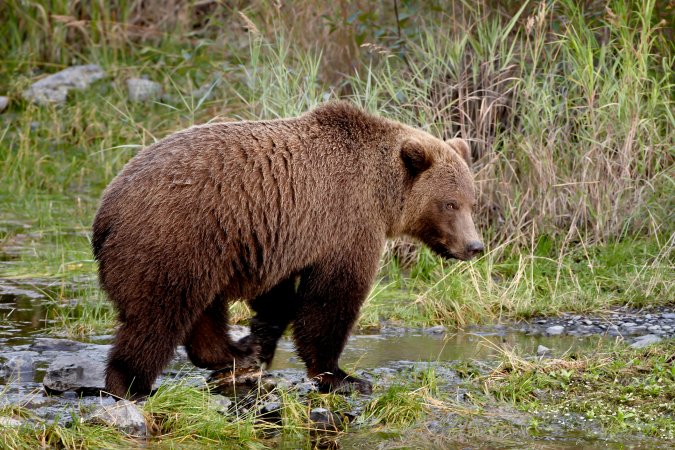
621, 391
569, 113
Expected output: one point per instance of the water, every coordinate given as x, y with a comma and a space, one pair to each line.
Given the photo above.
27, 349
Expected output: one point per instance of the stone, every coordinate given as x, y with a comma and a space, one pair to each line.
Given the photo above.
10, 422
628, 324
542, 350
55, 87
221, 403
325, 420
4, 103
646, 340
555, 330
668, 315
18, 364
439, 329
587, 322
61, 345
654, 328
141, 90
270, 412
123, 415
76, 373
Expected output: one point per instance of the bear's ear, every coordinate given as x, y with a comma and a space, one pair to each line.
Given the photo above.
415, 157
462, 148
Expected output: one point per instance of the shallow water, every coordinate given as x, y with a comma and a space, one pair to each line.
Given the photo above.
27, 349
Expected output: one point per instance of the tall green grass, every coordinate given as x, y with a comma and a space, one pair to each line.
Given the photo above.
569, 113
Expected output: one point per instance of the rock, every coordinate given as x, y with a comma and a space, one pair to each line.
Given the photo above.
325, 420
60, 345
653, 328
542, 350
646, 340
628, 324
10, 422
668, 315
4, 102
439, 329
141, 90
270, 413
555, 330
55, 87
76, 373
221, 403
18, 363
587, 322
123, 415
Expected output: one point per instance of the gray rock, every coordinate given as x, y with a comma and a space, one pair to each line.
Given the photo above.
555, 330
644, 341
325, 420
270, 412
76, 373
654, 328
123, 415
55, 87
141, 90
4, 102
18, 363
439, 329
587, 322
542, 350
668, 315
628, 324
10, 422
221, 403
61, 345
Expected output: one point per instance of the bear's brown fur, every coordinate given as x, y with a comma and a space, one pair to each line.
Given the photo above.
290, 214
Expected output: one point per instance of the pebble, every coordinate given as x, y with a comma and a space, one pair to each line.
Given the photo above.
555, 330
542, 350
620, 322
4, 102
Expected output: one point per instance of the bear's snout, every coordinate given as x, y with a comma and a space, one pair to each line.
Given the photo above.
473, 248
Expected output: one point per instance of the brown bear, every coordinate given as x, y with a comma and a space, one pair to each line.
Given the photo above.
291, 215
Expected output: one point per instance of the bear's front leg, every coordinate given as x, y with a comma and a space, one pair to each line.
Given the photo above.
331, 295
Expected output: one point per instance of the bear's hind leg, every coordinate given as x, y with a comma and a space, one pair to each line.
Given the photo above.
141, 350
209, 345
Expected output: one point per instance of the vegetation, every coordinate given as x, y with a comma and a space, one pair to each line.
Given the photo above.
569, 111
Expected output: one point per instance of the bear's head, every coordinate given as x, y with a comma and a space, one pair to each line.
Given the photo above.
440, 198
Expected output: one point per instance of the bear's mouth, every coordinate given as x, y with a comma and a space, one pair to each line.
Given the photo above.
443, 251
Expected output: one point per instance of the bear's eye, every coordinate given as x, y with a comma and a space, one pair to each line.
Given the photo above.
451, 206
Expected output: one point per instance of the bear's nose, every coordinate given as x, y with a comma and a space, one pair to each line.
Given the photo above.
474, 247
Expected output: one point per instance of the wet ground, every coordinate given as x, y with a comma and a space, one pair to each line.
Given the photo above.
30, 356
